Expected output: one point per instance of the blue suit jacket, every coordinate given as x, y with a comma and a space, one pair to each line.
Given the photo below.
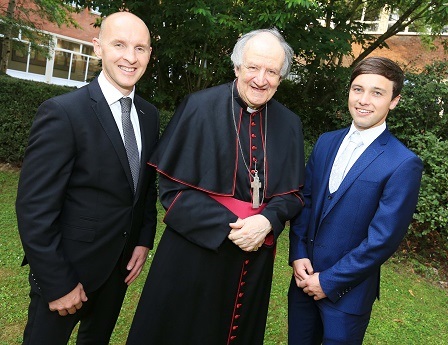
349, 234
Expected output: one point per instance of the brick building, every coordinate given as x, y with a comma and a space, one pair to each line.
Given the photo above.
72, 61
409, 51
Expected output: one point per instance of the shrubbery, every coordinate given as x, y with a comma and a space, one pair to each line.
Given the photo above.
19, 101
420, 121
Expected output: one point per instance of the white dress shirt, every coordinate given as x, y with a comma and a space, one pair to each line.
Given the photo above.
367, 136
113, 97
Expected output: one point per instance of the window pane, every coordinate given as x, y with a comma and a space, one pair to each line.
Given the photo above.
37, 63
61, 64
94, 68
79, 64
88, 50
18, 57
63, 44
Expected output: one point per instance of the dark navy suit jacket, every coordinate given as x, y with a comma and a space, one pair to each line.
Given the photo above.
349, 234
76, 212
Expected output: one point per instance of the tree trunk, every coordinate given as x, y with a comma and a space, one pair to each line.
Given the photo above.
6, 43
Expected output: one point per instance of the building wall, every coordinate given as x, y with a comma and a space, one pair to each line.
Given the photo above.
409, 51
72, 61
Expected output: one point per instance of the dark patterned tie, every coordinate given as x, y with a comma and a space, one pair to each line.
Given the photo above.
129, 139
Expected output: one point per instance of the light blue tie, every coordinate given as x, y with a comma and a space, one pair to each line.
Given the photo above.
130, 143
339, 169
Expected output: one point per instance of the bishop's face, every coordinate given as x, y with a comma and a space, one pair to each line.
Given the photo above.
259, 75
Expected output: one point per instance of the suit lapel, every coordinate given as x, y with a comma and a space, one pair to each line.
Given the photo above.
368, 156
104, 114
334, 143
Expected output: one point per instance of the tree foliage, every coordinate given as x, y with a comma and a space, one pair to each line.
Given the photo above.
26, 18
192, 39
421, 122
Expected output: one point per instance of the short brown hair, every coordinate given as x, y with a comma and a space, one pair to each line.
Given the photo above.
381, 66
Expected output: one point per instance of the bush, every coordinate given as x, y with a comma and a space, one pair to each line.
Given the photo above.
432, 209
20, 100
319, 98
421, 122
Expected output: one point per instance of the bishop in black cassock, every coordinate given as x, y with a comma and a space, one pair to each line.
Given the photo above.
202, 288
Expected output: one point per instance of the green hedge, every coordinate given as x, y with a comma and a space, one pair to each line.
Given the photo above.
420, 121
19, 101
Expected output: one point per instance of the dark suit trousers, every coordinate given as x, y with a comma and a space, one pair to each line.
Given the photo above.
97, 316
312, 323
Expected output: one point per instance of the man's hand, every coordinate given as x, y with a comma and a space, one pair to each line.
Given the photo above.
69, 303
302, 269
311, 286
249, 233
135, 265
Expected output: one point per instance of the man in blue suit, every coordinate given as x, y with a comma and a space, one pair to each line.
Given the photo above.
360, 195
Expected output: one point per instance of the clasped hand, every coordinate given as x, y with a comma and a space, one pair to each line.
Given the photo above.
307, 280
69, 303
249, 233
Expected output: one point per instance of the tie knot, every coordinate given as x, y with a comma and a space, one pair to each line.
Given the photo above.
126, 103
355, 137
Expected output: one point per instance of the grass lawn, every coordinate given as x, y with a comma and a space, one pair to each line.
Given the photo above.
412, 309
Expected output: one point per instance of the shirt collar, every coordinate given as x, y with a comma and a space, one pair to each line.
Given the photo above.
110, 92
368, 135
242, 103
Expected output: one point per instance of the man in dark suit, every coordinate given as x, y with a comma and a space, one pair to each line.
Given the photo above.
86, 198
358, 209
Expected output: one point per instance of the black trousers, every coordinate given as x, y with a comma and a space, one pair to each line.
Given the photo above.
97, 317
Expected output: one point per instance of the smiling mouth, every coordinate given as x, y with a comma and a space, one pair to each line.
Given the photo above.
257, 89
363, 111
127, 69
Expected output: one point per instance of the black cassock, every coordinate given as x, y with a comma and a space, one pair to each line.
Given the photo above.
201, 288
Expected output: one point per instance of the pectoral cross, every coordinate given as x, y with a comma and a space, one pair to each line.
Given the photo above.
255, 185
